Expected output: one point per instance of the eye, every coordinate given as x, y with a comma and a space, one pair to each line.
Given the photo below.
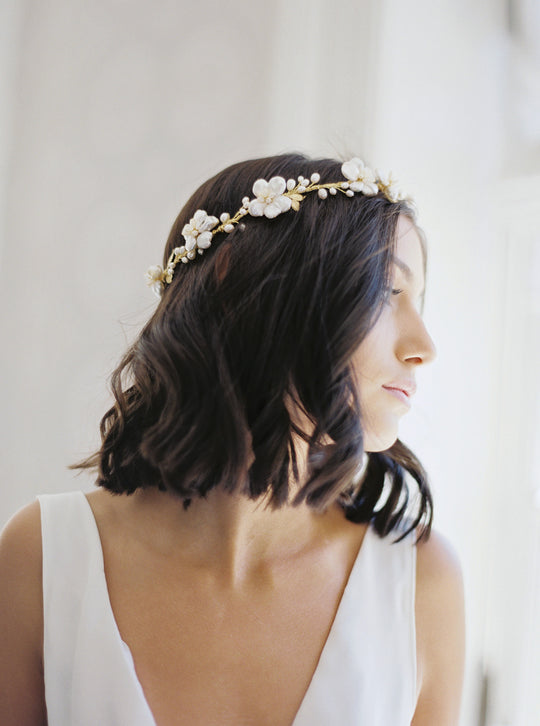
390, 291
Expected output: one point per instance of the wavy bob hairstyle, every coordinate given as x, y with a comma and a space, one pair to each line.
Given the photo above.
270, 315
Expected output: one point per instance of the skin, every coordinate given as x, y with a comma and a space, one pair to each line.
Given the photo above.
256, 590
396, 346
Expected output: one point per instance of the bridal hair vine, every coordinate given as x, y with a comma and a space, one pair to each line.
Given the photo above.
271, 199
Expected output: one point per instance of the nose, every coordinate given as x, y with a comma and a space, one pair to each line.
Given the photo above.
416, 345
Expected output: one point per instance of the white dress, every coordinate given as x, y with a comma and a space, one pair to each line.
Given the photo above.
366, 673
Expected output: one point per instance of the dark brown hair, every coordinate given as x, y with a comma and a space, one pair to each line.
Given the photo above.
272, 312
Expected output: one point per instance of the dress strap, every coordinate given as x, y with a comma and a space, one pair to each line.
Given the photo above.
89, 675
367, 670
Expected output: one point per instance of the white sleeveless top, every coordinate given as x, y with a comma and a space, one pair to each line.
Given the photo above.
366, 673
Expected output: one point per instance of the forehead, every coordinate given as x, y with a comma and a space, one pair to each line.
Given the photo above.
408, 249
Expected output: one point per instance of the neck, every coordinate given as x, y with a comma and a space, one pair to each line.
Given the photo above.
230, 534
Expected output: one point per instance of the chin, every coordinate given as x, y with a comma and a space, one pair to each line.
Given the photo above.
381, 441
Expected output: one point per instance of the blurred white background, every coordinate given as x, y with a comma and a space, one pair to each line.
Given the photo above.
112, 112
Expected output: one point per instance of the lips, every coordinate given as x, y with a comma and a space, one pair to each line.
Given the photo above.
402, 390
407, 387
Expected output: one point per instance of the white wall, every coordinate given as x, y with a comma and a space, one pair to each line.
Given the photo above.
119, 112
10, 26
512, 625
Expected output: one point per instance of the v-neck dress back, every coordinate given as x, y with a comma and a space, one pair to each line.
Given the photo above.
366, 672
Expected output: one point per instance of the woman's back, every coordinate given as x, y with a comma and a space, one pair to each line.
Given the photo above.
206, 652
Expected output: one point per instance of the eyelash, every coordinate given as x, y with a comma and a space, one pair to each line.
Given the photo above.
392, 291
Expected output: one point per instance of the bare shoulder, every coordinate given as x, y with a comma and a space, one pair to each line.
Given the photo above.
23, 523
20, 548
440, 629
20, 568
438, 568
21, 620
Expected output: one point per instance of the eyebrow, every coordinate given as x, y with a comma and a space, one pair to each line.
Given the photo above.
404, 268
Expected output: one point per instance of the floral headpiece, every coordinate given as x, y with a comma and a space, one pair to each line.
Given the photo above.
271, 199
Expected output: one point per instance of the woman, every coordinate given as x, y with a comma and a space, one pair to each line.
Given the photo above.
243, 560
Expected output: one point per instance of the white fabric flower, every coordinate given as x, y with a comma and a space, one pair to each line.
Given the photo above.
393, 193
270, 200
154, 278
390, 188
197, 231
361, 178
154, 274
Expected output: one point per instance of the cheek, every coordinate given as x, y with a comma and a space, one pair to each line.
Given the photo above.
373, 365
372, 357
380, 416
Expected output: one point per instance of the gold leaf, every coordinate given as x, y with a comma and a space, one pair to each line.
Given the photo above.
295, 205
